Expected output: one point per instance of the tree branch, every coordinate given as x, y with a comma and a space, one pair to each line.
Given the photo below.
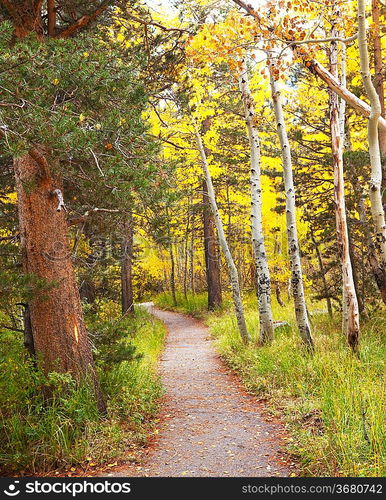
83, 22
9, 238
40, 160
11, 328
10, 8
158, 25
83, 217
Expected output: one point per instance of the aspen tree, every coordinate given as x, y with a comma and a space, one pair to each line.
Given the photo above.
292, 233
258, 244
350, 310
233, 274
375, 195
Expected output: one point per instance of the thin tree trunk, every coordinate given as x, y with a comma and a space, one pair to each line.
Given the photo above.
379, 79
333, 84
212, 260
375, 195
354, 265
191, 254
278, 297
371, 254
341, 103
186, 253
292, 233
59, 332
51, 17
262, 269
172, 274
28, 333
127, 296
212, 254
233, 276
350, 301
323, 274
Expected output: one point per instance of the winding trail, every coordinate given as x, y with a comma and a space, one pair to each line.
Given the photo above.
210, 425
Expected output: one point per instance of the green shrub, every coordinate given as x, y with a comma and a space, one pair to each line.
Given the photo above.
39, 434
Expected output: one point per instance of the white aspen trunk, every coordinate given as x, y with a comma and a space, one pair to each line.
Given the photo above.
262, 269
375, 195
233, 275
342, 124
350, 309
376, 10
292, 234
342, 102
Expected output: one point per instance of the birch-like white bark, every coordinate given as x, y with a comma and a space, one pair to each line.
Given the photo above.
342, 125
258, 244
375, 195
292, 233
350, 309
233, 274
342, 102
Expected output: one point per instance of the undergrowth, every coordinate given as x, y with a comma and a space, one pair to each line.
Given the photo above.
40, 434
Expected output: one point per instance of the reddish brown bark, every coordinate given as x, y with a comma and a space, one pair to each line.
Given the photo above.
83, 22
59, 332
27, 18
127, 268
378, 273
172, 274
212, 258
51, 13
211, 250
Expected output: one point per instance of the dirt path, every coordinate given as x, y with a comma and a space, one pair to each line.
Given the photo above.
211, 427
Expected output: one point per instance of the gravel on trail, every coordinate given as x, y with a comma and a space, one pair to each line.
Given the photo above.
209, 426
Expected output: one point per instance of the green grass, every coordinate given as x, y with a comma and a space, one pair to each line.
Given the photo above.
332, 402
39, 435
195, 305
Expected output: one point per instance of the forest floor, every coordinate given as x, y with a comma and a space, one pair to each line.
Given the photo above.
209, 425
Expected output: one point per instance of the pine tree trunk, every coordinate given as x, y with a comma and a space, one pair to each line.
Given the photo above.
59, 332
51, 17
212, 258
233, 275
127, 296
322, 274
350, 302
191, 255
28, 333
186, 252
262, 269
278, 296
375, 195
172, 274
297, 285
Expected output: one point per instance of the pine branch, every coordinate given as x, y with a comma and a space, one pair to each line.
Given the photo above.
13, 12
84, 21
